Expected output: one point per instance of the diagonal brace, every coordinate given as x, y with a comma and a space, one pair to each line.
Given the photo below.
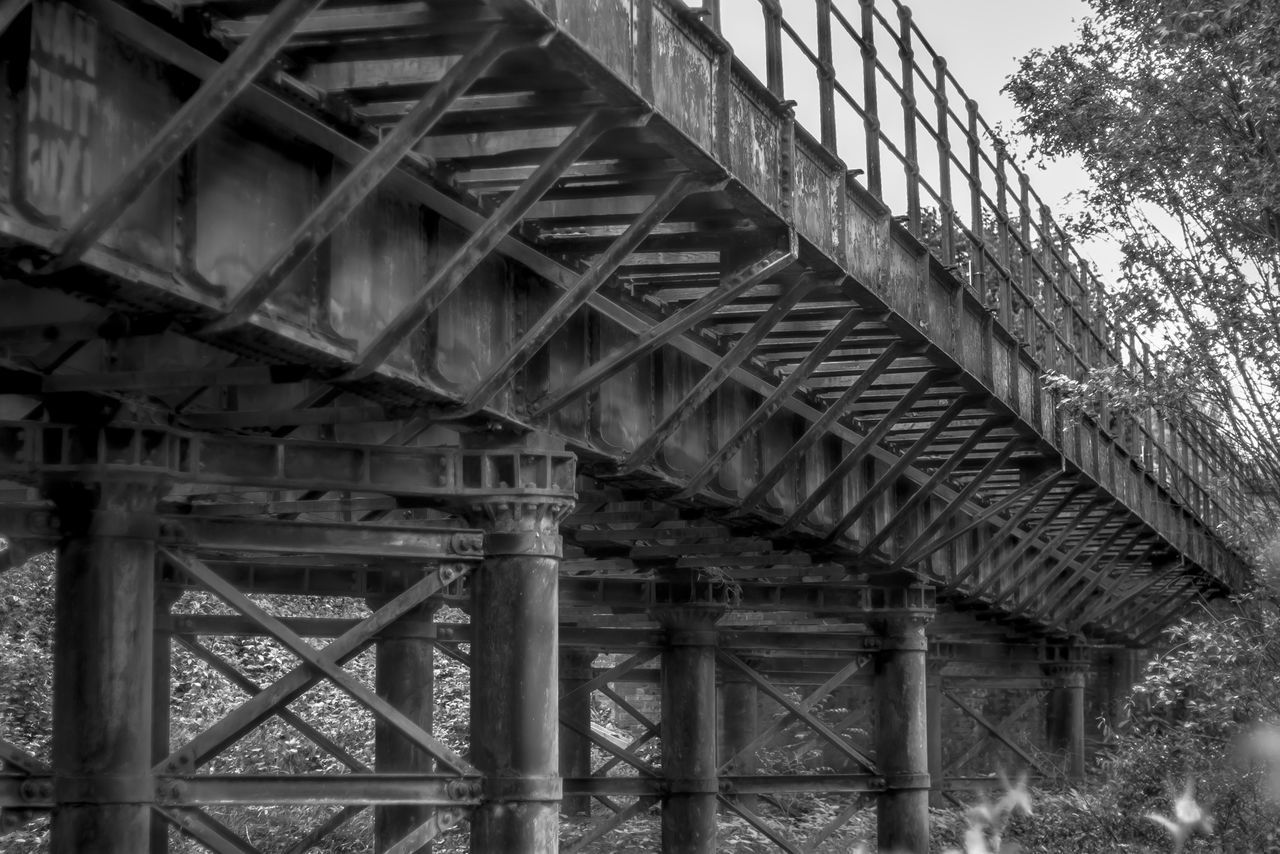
795, 709
317, 661
484, 240
651, 339
890, 477
196, 115
741, 350
774, 401
365, 177
919, 550
250, 713
873, 437
941, 473
819, 428
601, 269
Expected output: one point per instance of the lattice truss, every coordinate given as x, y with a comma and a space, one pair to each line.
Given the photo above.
847, 419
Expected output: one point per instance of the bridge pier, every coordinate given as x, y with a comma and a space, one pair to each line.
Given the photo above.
514, 682
575, 750
902, 743
104, 603
739, 722
405, 677
689, 726
1066, 716
933, 722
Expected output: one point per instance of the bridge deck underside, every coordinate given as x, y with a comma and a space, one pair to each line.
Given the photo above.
607, 232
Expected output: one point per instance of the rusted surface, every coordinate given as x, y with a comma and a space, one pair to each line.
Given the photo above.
92, 103
683, 74
607, 28
755, 136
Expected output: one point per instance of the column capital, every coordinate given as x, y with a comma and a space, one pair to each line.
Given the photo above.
117, 507
691, 623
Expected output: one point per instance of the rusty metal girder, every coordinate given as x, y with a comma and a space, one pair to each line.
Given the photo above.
31, 451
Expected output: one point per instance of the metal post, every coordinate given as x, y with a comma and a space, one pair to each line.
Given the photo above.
575, 750
161, 650
902, 743
739, 724
1066, 717
405, 676
933, 721
689, 727
104, 609
514, 683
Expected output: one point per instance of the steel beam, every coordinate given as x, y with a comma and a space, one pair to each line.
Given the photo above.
365, 177
317, 664
771, 404
997, 575
1001, 536
1103, 572
197, 114
1062, 563
873, 437
818, 428
918, 550
318, 661
670, 327
908, 459
940, 474
480, 243
706, 385
600, 271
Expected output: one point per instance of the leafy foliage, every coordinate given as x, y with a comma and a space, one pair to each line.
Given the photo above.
1173, 106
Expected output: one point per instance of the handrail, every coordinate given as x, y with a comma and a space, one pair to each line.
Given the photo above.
1007, 248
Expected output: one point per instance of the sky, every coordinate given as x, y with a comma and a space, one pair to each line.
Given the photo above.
982, 41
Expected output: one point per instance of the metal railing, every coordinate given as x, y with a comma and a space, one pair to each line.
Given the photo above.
934, 156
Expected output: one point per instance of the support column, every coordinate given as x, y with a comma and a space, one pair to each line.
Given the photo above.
689, 726
161, 651
405, 677
104, 612
514, 615
933, 722
1125, 672
575, 750
739, 723
1066, 718
902, 743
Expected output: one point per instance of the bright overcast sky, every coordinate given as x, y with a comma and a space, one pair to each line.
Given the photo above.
982, 41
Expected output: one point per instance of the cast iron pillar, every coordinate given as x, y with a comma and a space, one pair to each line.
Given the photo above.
575, 750
739, 723
933, 720
688, 726
104, 617
404, 676
899, 616
517, 494
161, 696
1066, 724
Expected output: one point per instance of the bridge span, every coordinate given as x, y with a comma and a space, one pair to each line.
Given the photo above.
702, 360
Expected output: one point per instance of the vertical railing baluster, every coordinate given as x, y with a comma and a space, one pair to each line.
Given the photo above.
773, 46
826, 77
988, 291
870, 100
1042, 328
910, 140
946, 215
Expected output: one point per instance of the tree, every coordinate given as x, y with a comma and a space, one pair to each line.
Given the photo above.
1173, 106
